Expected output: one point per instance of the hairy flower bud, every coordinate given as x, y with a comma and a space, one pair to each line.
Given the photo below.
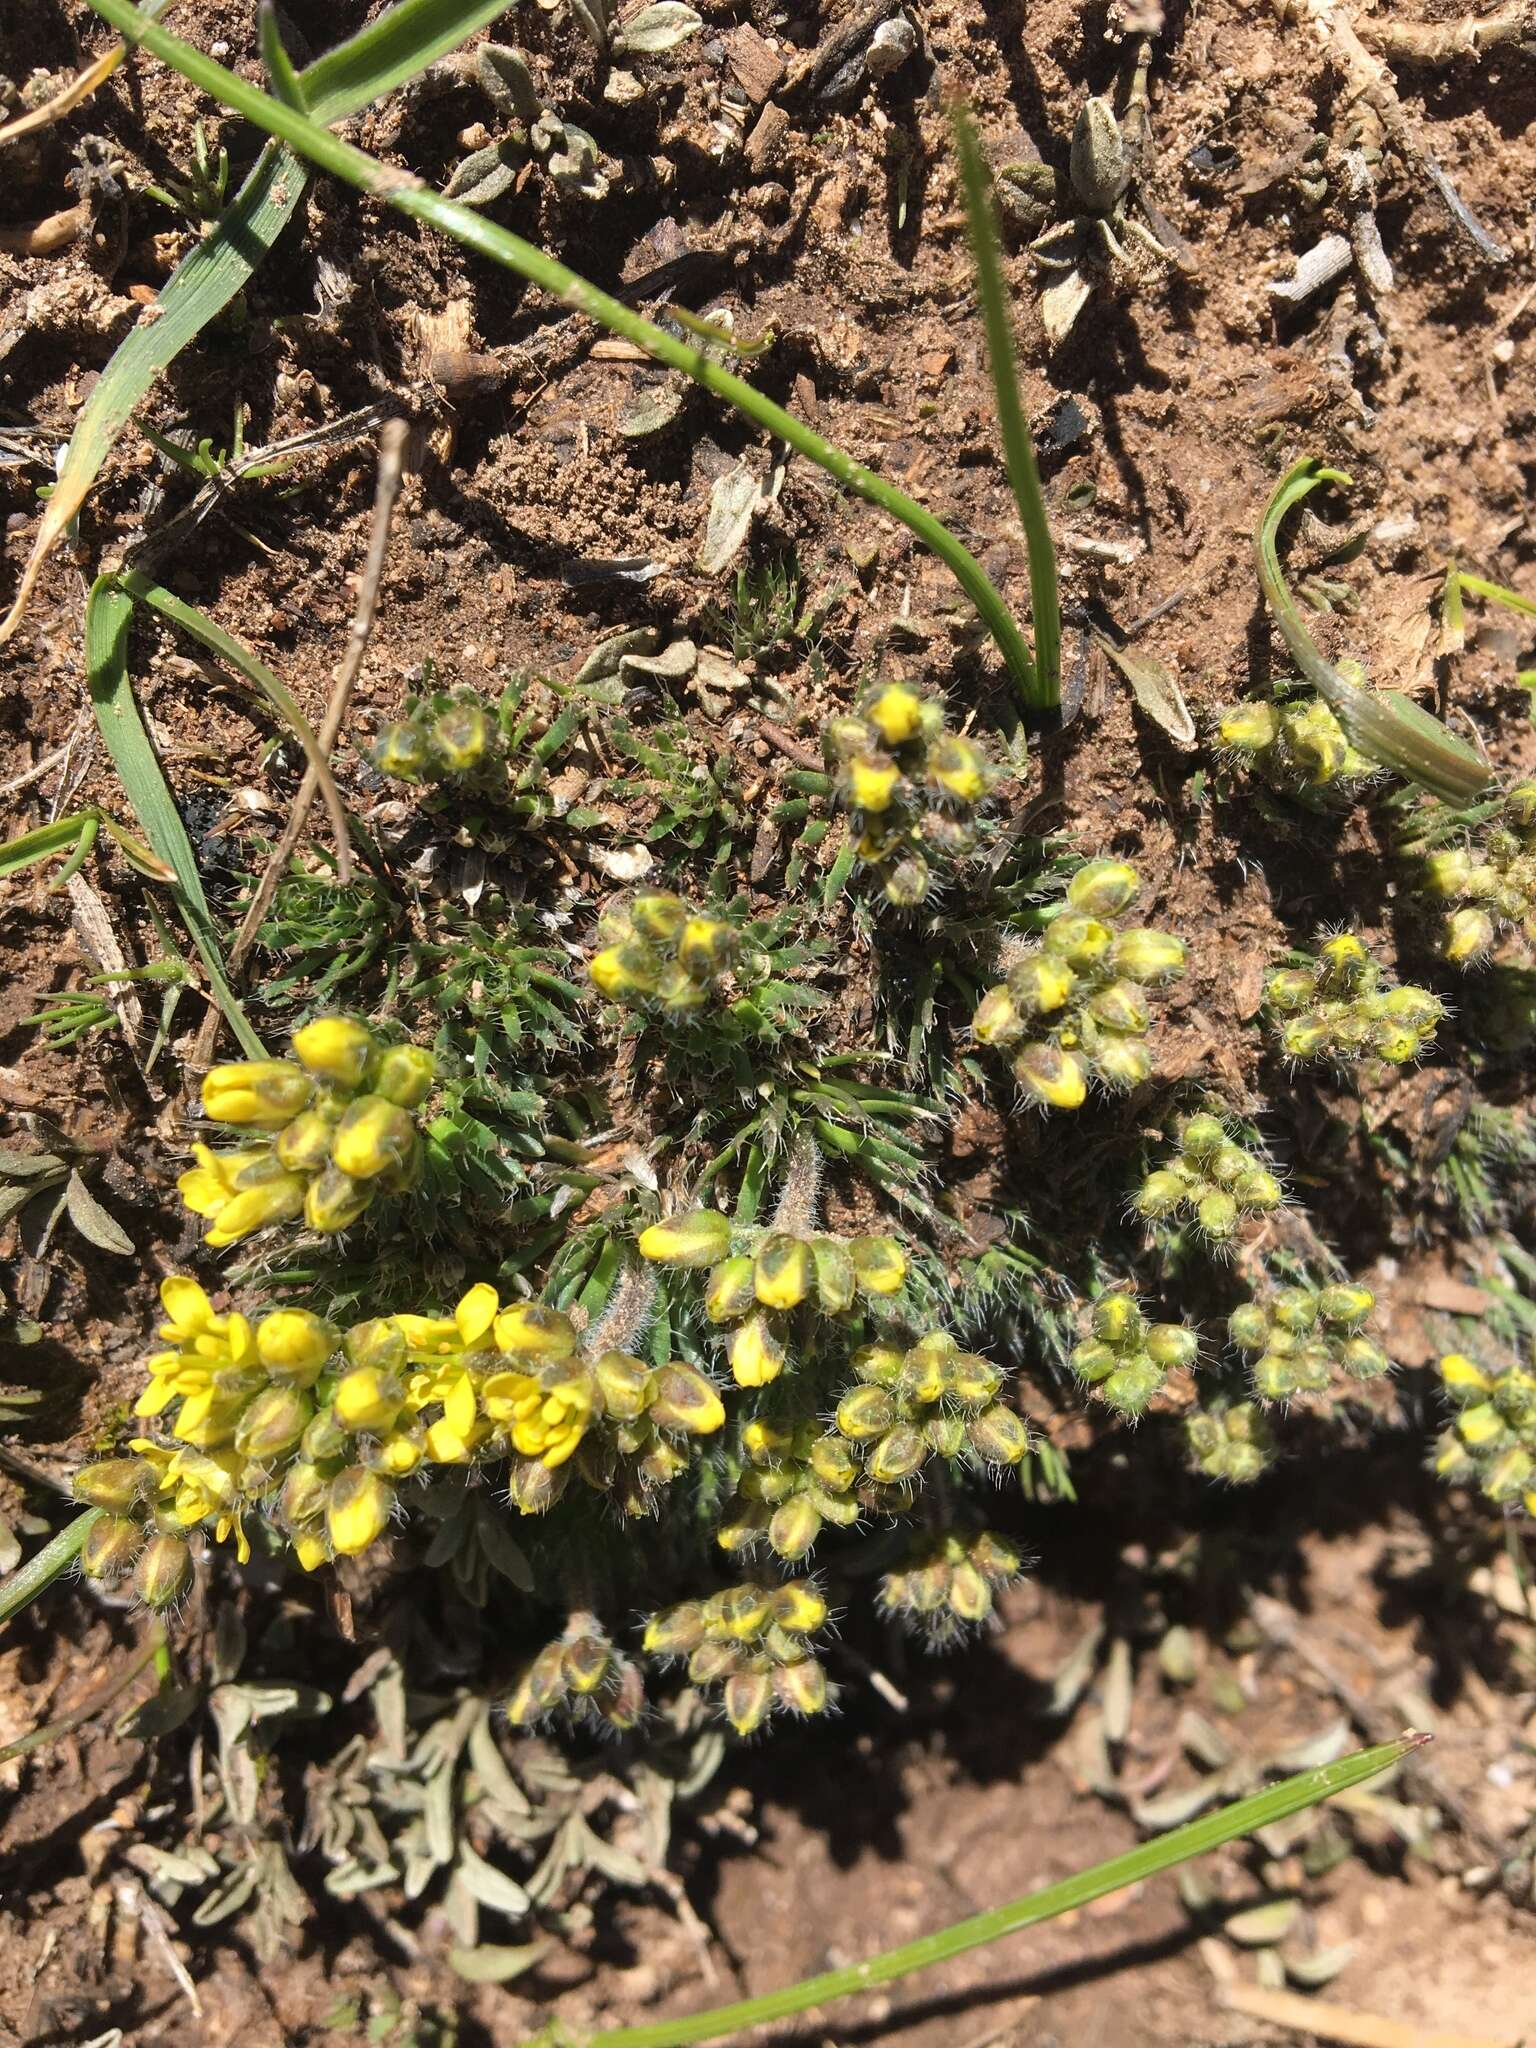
358, 1507
895, 712
1051, 1077
334, 1201
531, 1330
880, 1264
374, 1137
334, 1049
1103, 888
1148, 957
116, 1484
304, 1146
403, 1075
685, 1400
273, 1424
163, 1572
293, 1345
263, 1094
110, 1548
700, 1237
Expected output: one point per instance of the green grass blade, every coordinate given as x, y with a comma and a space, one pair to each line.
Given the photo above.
1264, 1809
1383, 724
144, 590
1496, 593
1013, 422
39, 1572
62, 836
400, 43
486, 238
108, 617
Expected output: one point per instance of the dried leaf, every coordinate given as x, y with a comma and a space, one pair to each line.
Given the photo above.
734, 502
1174, 1808
1262, 1926
1326, 1747
1155, 689
661, 26
1118, 1691
1060, 304
92, 1221
622, 863
1074, 1676
1312, 1972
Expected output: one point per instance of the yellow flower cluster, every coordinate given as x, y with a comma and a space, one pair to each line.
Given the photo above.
1298, 1337
1211, 1181
1492, 1443
313, 1430
338, 1125
1488, 885
795, 1477
751, 1641
1338, 1008
950, 1582
1125, 1359
932, 1400
1074, 1007
658, 953
1300, 748
758, 1288
452, 736
912, 786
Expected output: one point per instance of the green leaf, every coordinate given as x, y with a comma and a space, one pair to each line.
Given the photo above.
495, 1965
40, 1571
44, 842
92, 1221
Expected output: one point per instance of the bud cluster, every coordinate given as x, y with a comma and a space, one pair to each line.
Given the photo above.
932, 1400
753, 1642
949, 1582
1299, 748
1231, 1442
657, 953
1338, 1007
1298, 1337
141, 1531
1489, 885
1074, 1007
794, 1479
761, 1280
1492, 1442
1211, 1182
1126, 1359
452, 736
912, 787
336, 1132
582, 1676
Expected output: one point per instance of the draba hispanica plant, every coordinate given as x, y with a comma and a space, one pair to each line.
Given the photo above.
1298, 747
1474, 872
1074, 1008
1209, 1182
1338, 1008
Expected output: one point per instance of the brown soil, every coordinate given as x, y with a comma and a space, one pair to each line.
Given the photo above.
1163, 422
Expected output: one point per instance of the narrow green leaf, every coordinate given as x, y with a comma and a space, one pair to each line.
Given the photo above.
280, 69
43, 843
108, 617
1383, 724
1496, 593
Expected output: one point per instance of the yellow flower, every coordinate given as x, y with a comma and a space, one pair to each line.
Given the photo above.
429, 1336
311, 1551
782, 1271
358, 1510
756, 1355
880, 1263
366, 1399
336, 1049
475, 1314
872, 780
265, 1094
699, 1238
398, 1455
961, 769
271, 1201
509, 1397
552, 1433
209, 1186
294, 1345
896, 713
624, 973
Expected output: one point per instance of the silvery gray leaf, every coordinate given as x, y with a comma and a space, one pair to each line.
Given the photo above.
675, 661
1262, 1926
1156, 690
484, 175
92, 1221
228, 1896
661, 26
1321, 1967
490, 1886
495, 1965
734, 502
503, 75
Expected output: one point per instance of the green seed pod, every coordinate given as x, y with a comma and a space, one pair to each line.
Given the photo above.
334, 1200
1040, 985
748, 1700
783, 1271
801, 1686
1117, 1320
865, 1413
116, 1484
730, 1294
998, 1436
997, 1020
1148, 957
794, 1527
1121, 1007
163, 1572
1082, 941
1103, 888
1290, 989
110, 1548
1171, 1347
273, 1424
1345, 1307
403, 1075
1121, 1063
1093, 1361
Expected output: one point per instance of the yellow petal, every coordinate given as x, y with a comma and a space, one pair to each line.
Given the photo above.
476, 1313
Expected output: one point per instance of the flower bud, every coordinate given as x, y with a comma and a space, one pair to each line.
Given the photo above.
1294, 1309
401, 750
273, 1424
1289, 989
1103, 888
1249, 728
729, 1293
625, 974
1446, 874
712, 1661
1171, 1347
305, 1145
1463, 1378
303, 1497
675, 1631
1121, 1007
960, 768
273, 1200
1203, 1136
678, 993
1148, 957
335, 1201
1345, 1307
1123, 1063
706, 947
740, 1612
833, 1464
895, 712
461, 737
685, 1400
844, 736
325, 1440
533, 1487
264, 1094
748, 1700
906, 883
374, 1137
110, 1548
756, 1355
794, 1527
1161, 1194
880, 1264
1258, 1189
586, 1662
879, 1365
334, 1049
163, 1572
367, 1400
836, 1279
293, 1345
1117, 1320
1363, 1360
658, 915
782, 1271
870, 782
970, 1597
801, 1686
1083, 942
1093, 1361
624, 1383
865, 1413
700, 1237
1217, 1215
358, 1506
1343, 962
997, 1020
116, 1484
971, 1381
1318, 746
1051, 1077
998, 1436
898, 1455
379, 1343
531, 1330
403, 1075
1305, 1037
1467, 935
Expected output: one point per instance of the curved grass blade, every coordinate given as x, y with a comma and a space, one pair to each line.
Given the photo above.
64, 835
144, 590
108, 617
1012, 421
40, 1571
409, 195
400, 43
1264, 1809
1382, 723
